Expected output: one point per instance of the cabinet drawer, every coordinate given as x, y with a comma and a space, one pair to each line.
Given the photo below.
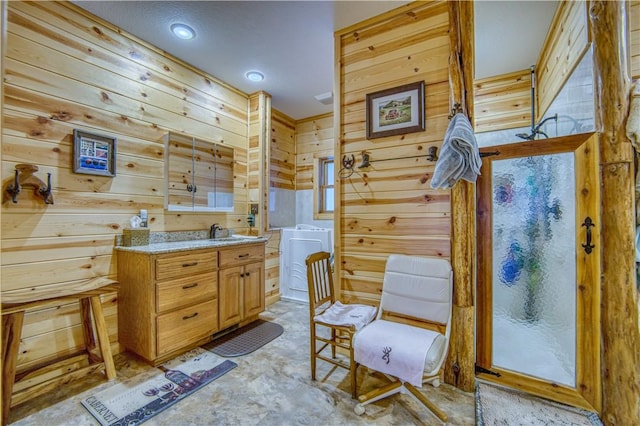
181, 328
186, 291
187, 264
241, 255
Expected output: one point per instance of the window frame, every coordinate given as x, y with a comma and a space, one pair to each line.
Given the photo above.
321, 183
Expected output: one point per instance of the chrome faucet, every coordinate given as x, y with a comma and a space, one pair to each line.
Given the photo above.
215, 227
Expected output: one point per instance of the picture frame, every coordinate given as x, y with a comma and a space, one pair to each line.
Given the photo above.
395, 111
94, 154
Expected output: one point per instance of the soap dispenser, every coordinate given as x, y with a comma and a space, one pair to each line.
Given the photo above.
143, 216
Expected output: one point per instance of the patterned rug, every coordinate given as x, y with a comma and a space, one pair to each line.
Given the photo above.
133, 402
245, 339
498, 406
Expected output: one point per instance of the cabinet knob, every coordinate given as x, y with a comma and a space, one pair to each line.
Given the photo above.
186, 265
248, 273
241, 275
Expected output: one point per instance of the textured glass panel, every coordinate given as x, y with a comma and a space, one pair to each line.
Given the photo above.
534, 267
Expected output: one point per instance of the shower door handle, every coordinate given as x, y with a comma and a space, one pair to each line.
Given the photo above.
588, 223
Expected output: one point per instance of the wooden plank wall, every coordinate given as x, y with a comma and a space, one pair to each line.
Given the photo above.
314, 139
634, 39
503, 102
282, 160
566, 42
272, 267
390, 207
258, 153
66, 70
3, 12
281, 174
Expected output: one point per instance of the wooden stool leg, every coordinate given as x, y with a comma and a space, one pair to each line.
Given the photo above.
103, 337
87, 326
11, 331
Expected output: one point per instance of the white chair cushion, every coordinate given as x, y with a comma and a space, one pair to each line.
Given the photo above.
419, 287
432, 360
347, 314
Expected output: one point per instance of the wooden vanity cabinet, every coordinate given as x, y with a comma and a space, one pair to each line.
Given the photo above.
167, 302
241, 284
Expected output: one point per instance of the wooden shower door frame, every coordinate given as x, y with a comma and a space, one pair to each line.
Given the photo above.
587, 393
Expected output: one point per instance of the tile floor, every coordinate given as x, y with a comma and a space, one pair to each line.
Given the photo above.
270, 386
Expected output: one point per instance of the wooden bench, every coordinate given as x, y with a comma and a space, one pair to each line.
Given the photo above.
14, 305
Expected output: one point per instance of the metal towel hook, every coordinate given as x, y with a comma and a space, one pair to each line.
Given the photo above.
24, 176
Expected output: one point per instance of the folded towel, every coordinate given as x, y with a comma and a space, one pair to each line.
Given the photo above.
399, 350
459, 156
348, 314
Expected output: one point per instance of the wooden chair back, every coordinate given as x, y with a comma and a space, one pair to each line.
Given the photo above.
319, 280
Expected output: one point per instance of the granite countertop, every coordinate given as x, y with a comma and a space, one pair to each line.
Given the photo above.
176, 246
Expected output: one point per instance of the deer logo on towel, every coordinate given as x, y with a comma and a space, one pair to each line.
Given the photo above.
387, 354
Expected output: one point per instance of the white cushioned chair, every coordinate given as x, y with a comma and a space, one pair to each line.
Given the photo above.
340, 321
409, 339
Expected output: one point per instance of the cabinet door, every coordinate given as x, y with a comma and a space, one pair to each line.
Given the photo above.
204, 179
179, 172
253, 289
230, 296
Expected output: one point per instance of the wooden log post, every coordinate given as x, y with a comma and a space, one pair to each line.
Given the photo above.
459, 367
3, 40
620, 336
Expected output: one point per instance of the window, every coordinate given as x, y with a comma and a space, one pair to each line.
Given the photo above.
323, 191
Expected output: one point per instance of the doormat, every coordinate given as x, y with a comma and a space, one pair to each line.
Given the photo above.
246, 339
132, 403
497, 406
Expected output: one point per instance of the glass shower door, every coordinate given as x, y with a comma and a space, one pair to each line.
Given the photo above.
538, 257
534, 267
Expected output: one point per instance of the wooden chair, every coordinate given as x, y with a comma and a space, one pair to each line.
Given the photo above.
340, 321
409, 339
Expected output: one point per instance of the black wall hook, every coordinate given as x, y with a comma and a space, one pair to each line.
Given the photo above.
24, 176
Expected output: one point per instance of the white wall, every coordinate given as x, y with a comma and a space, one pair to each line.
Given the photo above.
304, 210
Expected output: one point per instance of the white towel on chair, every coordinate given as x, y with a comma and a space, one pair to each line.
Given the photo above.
396, 349
349, 314
459, 155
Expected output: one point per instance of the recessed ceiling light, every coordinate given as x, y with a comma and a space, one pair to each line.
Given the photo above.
183, 31
254, 75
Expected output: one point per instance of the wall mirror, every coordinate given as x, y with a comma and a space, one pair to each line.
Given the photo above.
198, 175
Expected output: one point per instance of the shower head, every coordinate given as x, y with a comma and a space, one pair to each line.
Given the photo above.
525, 136
536, 129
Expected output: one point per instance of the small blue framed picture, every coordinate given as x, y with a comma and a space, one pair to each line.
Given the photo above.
93, 154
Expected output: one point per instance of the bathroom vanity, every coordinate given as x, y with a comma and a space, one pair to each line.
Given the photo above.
175, 295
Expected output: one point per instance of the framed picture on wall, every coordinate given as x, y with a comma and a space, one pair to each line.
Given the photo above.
396, 111
94, 154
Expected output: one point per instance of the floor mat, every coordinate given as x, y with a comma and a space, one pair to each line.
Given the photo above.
132, 402
498, 406
245, 339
